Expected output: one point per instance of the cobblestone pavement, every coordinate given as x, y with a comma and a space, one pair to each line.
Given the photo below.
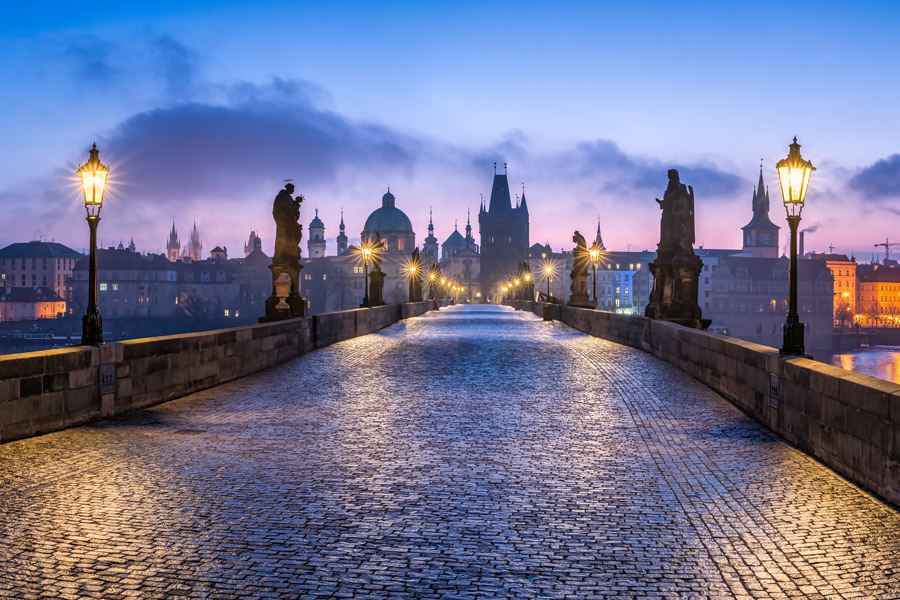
474, 452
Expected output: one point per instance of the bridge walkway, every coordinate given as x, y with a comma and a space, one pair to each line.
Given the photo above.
472, 452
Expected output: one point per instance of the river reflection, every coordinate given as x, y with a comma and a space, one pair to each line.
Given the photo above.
878, 361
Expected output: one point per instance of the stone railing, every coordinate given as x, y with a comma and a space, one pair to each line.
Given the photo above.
850, 422
49, 390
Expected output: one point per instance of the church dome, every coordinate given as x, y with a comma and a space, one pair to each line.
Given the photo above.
388, 218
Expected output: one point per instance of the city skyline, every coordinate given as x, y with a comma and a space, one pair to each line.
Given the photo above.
204, 111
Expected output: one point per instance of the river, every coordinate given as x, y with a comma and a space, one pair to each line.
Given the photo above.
878, 361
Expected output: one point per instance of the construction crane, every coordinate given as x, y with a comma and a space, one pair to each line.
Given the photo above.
887, 248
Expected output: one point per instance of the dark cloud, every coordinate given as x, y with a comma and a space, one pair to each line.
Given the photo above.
207, 150
176, 65
879, 181
90, 60
622, 173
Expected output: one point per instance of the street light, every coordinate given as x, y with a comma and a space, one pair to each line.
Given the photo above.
595, 258
793, 173
366, 251
548, 270
93, 183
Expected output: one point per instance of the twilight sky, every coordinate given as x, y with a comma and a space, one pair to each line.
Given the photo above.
203, 108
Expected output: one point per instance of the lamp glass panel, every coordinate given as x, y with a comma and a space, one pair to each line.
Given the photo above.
785, 178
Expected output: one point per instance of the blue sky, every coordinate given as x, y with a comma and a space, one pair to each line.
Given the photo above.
203, 108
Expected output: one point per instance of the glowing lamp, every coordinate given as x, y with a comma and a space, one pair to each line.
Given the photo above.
93, 182
793, 173
517, 282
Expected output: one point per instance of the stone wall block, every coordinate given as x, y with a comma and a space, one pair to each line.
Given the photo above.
135, 349
46, 410
80, 405
111, 353
21, 365
66, 359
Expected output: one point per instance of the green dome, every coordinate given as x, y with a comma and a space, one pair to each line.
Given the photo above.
388, 218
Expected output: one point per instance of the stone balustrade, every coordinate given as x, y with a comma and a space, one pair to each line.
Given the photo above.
849, 421
49, 390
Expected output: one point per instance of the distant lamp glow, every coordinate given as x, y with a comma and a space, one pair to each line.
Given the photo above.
93, 183
517, 282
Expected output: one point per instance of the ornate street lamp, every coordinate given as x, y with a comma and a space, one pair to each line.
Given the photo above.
366, 252
93, 183
548, 270
594, 253
793, 173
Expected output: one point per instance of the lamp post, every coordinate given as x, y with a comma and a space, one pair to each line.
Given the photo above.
594, 253
793, 174
366, 251
548, 270
93, 182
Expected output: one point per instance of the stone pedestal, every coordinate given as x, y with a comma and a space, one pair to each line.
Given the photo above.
676, 278
376, 287
579, 296
275, 304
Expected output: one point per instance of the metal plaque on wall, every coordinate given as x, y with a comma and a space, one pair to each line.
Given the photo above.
107, 378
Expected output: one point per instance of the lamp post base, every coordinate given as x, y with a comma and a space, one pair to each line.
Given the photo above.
793, 337
92, 328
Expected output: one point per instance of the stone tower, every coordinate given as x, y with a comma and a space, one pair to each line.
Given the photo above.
316, 243
760, 234
504, 236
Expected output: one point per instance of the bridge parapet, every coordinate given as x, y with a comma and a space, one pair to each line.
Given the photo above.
849, 421
53, 389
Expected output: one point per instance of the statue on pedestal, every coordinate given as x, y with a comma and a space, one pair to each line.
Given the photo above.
676, 269
286, 260
415, 277
579, 296
376, 275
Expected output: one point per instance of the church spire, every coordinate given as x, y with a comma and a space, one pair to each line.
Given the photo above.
599, 240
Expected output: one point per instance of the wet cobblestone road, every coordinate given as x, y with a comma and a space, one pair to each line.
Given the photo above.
474, 452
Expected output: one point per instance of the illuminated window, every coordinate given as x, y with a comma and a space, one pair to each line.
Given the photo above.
227, 313
102, 287
400, 244
115, 287
323, 276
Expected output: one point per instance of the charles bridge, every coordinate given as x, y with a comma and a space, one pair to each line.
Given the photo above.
471, 451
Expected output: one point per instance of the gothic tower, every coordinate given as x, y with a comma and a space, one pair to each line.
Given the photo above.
599, 240
316, 243
342, 238
504, 236
173, 245
194, 247
761, 234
